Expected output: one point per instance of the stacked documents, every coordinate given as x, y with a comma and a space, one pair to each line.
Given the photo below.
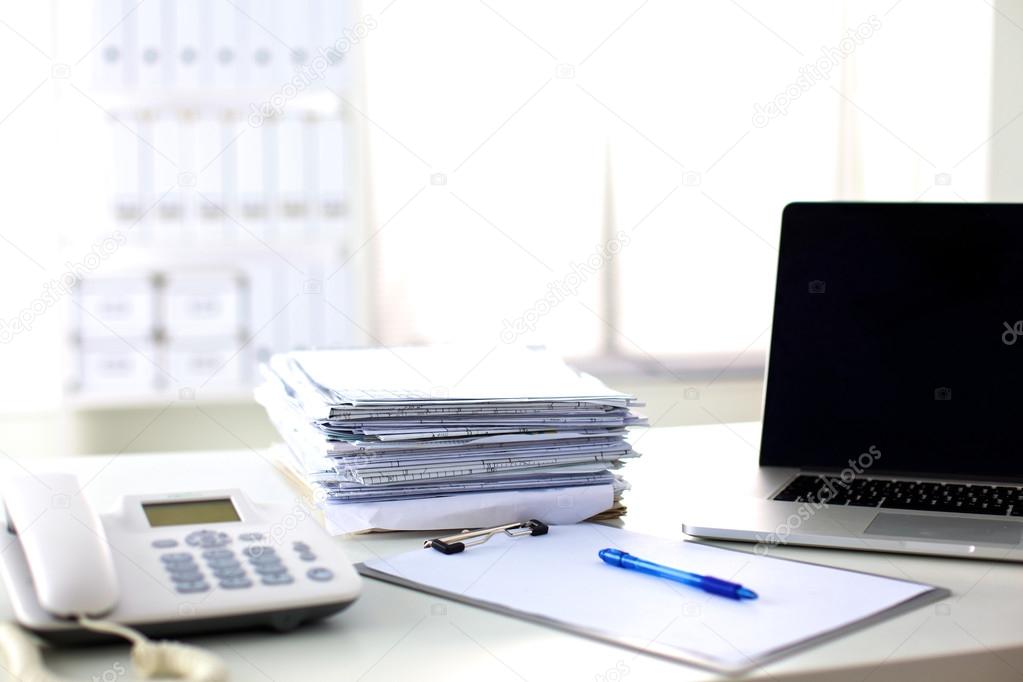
454, 425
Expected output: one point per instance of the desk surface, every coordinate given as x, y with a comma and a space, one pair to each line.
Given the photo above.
394, 633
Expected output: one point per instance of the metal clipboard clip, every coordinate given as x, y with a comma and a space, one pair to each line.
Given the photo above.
453, 544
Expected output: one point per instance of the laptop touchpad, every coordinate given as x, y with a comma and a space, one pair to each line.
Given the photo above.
946, 529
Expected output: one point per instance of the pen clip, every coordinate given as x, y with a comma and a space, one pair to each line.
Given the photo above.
453, 544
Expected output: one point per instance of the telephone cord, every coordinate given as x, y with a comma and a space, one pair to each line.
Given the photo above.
24, 659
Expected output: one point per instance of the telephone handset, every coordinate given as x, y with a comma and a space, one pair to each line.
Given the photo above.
165, 564
64, 545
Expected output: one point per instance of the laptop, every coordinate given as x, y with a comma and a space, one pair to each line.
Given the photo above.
893, 406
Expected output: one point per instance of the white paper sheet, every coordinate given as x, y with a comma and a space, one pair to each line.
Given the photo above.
559, 579
438, 373
551, 505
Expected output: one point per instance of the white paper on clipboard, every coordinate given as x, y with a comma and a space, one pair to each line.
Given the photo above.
799, 603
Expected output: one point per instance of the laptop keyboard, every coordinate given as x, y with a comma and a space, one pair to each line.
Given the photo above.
895, 494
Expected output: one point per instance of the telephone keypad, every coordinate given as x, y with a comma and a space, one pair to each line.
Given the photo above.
227, 567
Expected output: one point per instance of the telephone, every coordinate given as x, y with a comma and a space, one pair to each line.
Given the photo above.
183, 563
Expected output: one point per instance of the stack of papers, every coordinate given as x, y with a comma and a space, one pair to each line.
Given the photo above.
373, 426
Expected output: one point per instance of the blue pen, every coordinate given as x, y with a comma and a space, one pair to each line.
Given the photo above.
722, 588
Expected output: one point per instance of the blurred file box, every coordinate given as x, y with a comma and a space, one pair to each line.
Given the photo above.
152, 57
296, 31
208, 363
166, 159
263, 287
293, 158
339, 309
116, 366
330, 177
113, 56
224, 21
127, 191
187, 179
202, 305
250, 200
271, 178
304, 314
143, 125
117, 307
262, 49
190, 51
335, 40
321, 315
226, 44
211, 160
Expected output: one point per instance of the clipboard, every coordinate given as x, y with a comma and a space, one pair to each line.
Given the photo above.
553, 580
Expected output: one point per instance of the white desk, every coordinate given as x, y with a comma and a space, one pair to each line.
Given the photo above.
393, 633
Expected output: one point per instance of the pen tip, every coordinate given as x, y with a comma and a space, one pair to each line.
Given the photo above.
746, 593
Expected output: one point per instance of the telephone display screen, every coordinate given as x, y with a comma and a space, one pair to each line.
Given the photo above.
190, 512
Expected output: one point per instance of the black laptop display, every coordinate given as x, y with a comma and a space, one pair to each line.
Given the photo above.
899, 327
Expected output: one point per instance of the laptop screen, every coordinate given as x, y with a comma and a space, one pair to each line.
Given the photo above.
898, 327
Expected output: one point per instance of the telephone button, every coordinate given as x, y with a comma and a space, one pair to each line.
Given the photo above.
267, 565
278, 579
270, 569
320, 574
210, 554
251, 537
187, 577
195, 539
222, 564
217, 540
259, 552
229, 573
176, 557
165, 543
191, 587
207, 539
307, 556
235, 583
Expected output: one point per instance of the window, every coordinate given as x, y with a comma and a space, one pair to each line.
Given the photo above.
604, 178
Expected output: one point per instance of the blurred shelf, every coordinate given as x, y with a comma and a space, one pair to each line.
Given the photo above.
155, 399
167, 255
321, 100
